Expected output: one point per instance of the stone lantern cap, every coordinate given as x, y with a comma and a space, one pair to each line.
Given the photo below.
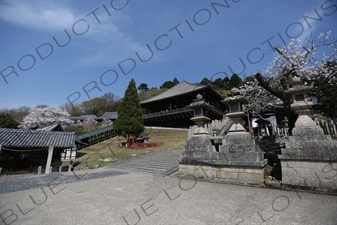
199, 102
298, 87
236, 98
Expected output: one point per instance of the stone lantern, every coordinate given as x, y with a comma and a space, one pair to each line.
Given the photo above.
234, 157
200, 108
301, 104
235, 113
307, 151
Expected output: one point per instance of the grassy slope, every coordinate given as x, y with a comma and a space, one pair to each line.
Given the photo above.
108, 151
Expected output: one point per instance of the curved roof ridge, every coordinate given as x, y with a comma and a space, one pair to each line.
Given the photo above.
178, 89
192, 83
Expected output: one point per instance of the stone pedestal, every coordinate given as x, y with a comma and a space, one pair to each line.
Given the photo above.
239, 159
309, 159
233, 158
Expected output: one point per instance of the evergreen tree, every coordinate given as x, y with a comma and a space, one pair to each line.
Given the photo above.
143, 87
225, 83
7, 121
327, 95
169, 84
175, 81
130, 118
235, 81
205, 81
218, 82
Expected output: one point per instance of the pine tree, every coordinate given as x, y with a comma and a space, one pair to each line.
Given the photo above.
130, 118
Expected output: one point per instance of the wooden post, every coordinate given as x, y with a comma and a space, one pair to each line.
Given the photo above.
333, 126
327, 128
50, 156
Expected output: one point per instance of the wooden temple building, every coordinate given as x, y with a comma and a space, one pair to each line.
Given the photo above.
25, 150
169, 109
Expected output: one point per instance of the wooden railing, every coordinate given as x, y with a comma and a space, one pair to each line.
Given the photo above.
167, 112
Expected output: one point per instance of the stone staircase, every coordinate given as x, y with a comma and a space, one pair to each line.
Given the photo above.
159, 163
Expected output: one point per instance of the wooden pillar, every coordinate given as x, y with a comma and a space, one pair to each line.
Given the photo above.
50, 156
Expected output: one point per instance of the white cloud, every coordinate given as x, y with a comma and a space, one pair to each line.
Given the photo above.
109, 44
105, 43
37, 15
309, 25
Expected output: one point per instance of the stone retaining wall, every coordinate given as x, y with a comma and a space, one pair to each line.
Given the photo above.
313, 175
248, 175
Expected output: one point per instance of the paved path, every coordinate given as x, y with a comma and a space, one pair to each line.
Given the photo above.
143, 199
160, 163
135, 192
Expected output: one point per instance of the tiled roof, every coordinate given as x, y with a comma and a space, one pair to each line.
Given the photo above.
83, 117
14, 138
49, 128
179, 89
92, 133
110, 115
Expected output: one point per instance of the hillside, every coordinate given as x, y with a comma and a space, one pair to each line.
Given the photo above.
109, 151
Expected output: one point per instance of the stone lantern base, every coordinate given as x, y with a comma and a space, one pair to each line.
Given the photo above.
200, 121
309, 160
229, 174
236, 160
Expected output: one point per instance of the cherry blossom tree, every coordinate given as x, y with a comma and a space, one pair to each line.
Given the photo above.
106, 122
40, 117
313, 60
89, 123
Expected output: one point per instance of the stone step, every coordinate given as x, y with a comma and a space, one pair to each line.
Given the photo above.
162, 163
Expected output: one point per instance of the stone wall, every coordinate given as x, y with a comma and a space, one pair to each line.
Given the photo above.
313, 175
241, 175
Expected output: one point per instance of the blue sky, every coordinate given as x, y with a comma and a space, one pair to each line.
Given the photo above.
110, 43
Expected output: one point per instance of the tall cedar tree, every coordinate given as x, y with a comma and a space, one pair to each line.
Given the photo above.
130, 118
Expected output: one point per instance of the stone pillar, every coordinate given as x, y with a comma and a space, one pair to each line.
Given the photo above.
39, 169
50, 156
60, 169
69, 167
